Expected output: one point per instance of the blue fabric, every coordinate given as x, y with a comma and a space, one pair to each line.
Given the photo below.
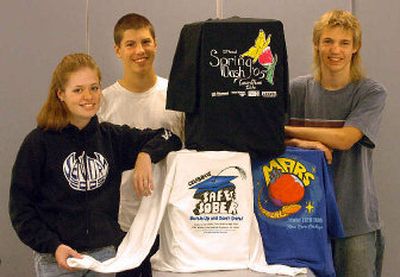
46, 265
297, 217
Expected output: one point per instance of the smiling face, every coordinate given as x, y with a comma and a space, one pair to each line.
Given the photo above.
335, 49
81, 95
137, 51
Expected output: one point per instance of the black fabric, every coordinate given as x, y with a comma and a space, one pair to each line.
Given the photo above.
65, 184
232, 101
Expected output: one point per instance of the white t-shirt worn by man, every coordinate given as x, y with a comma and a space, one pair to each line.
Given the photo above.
141, 110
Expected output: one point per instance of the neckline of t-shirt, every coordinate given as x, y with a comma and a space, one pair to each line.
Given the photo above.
138, 94
337, 91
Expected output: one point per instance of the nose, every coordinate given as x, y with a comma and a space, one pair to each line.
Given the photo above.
335, 47
87, 94
139, 48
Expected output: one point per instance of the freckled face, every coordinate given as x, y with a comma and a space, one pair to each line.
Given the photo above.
82, 95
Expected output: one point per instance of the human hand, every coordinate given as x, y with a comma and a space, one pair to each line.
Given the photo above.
63, 252
142, 175
308, 144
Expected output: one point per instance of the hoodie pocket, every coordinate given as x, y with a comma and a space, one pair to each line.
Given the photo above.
71, 229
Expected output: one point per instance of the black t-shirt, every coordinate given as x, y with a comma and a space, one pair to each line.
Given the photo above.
230, 77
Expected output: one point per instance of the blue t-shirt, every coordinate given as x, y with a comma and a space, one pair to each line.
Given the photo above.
296, 209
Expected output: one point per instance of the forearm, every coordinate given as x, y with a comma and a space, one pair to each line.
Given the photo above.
142, 175
336, 138
161, 144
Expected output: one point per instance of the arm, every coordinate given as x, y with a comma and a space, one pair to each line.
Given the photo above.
142, 175
24, 198
336, 138
162, 141
138, 149
311, 145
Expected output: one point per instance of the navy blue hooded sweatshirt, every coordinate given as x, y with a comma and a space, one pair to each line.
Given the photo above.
65, 184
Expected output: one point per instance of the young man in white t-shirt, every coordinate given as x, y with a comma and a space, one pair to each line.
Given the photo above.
138, 100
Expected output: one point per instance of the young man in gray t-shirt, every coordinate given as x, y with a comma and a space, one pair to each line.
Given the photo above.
339, 111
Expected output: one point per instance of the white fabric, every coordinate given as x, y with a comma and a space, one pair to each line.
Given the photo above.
218, 241
141, 110
138, 241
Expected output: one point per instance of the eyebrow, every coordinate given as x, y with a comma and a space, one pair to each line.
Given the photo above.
330, 38
92, 84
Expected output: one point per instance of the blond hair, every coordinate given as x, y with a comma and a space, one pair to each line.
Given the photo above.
347, 21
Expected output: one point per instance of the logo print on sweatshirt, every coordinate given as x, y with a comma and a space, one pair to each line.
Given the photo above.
216, 194
286, 181
167, 134
85, 173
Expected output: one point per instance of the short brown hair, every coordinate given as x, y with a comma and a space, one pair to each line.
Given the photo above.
347, 21
131, 21
54, 114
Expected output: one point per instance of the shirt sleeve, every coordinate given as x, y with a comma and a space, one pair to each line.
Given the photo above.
24, 198
157, 143
367, 111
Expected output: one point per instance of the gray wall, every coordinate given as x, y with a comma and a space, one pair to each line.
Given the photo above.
36, 34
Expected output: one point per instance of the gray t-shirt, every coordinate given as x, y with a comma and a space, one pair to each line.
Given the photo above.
359, 104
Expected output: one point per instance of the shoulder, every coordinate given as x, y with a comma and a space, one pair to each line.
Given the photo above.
162, 83
300, 85
159, 90
35, 140
369, 88
108, 128
162, 80
112, 89
37, 135
302, 80
110, 96
371, 85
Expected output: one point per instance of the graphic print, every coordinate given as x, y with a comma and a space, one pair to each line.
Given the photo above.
85, 173
260, 44
261, 52
286, 181
216, 208
252, 71
217, 194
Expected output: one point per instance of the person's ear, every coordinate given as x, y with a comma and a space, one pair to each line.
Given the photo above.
316, 48
117, 50
60, 95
